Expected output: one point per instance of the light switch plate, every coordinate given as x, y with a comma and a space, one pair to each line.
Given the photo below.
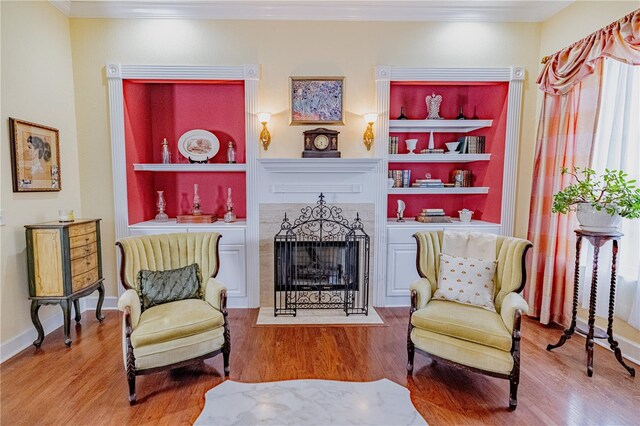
2, 218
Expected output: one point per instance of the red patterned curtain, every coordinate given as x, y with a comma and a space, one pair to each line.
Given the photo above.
572, 81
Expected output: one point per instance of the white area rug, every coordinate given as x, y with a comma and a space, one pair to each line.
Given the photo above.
309, 402
317, 316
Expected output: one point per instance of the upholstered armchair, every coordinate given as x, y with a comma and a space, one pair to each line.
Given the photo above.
469, 336
169, 335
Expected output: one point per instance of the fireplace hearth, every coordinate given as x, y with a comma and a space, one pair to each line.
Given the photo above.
321, 262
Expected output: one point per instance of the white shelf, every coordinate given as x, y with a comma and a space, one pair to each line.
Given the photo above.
412, 223
171, 223
450, 190
438, 158
438, 126
184, 167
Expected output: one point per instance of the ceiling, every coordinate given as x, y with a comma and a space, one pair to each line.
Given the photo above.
316, 10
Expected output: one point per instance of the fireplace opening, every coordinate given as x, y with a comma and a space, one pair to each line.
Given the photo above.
321, 262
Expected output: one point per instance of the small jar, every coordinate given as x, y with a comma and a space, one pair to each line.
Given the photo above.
65, 216
231, 153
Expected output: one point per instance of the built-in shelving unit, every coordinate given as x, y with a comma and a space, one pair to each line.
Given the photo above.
438, 158
438, 126
177, 167
495, 95
149, 103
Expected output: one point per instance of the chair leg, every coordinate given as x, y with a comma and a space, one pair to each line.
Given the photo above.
131, 378
131, 372
513, 393
411, 351
226, 349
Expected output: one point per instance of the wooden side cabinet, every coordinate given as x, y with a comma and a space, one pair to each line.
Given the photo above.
64, 264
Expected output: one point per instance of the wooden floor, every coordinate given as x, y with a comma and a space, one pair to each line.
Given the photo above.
86, 383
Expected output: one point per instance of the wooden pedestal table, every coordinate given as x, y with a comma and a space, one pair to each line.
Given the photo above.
597, 239
64, 263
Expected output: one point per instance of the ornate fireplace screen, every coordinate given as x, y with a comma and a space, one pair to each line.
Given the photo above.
321, 262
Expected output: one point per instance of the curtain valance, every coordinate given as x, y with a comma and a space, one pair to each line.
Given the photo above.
619, 40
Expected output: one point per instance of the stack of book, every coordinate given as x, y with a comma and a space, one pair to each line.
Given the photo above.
432, 151
401, 178
428, 183
471, 145
433, 216
393, 144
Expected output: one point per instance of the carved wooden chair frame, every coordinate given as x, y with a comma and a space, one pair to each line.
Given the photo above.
132, 371
513, 376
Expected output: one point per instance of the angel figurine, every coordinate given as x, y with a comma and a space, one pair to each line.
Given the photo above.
433, 106
400, 211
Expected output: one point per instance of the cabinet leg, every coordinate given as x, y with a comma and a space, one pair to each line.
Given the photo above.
99, 315
66, 313
35, 307
76, 308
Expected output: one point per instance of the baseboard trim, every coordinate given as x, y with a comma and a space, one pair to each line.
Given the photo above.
25, 339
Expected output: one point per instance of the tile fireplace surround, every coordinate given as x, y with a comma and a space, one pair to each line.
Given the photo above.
288, 185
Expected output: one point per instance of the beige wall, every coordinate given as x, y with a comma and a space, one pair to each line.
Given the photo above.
37, 86
350, 49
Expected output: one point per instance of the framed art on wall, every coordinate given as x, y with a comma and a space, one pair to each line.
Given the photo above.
316, 100
35, 157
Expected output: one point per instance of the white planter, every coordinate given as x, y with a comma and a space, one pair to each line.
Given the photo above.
593, 220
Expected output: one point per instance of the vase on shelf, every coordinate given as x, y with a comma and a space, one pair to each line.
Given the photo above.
166, 155
401, 116
161, 216
195, 210
229, 216
431, 142
411, 145
231, 153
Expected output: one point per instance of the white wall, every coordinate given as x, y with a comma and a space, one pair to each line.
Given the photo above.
37, 86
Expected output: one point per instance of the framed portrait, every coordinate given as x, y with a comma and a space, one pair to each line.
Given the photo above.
316, 100
35, 157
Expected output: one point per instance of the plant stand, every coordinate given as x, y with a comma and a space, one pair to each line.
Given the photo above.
597, 239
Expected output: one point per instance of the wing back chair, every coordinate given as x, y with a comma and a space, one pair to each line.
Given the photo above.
468, 336
172, 334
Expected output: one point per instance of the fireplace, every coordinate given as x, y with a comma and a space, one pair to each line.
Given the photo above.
321, 262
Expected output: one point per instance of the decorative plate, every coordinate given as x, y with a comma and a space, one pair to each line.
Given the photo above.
198, 145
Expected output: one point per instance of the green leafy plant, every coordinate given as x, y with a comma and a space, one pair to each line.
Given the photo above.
612, 192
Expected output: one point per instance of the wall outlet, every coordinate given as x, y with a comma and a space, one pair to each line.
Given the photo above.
2, 218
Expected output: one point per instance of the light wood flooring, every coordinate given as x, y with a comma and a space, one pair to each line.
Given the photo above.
85, 384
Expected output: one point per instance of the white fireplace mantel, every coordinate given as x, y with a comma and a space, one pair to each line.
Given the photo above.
319, 165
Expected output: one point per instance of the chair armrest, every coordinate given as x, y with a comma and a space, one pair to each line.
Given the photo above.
511, 303
422, 287
131, 299
215, 294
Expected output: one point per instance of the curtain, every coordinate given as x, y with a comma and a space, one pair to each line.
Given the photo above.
565, 136
619, 40
617, 146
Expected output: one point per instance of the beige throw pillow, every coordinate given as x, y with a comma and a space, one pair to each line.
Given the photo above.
466, 280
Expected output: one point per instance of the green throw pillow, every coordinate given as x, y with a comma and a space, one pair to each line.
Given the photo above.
158, 287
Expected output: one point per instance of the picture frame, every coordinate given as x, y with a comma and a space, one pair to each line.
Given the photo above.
316, 100
35, 157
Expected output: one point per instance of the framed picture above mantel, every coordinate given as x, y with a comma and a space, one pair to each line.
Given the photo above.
316, 100
35, 157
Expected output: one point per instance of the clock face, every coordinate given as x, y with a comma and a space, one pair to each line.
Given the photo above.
321, 142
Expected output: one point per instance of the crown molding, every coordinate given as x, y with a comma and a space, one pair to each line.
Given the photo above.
315, 10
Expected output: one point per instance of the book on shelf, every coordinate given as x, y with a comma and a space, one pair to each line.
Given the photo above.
433, 219
432, 151
432, 212
401, 178
427, 185
471, 144
393, 144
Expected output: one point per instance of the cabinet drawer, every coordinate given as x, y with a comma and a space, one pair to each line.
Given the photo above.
84, 280
84, 251
84, 264
82, 240
83, 228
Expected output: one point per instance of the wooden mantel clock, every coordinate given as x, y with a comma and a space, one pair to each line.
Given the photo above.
321, 143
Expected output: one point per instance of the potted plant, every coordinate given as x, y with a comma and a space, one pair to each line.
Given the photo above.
600, 201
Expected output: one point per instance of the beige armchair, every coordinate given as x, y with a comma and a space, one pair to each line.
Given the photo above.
464, 335
172, 334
